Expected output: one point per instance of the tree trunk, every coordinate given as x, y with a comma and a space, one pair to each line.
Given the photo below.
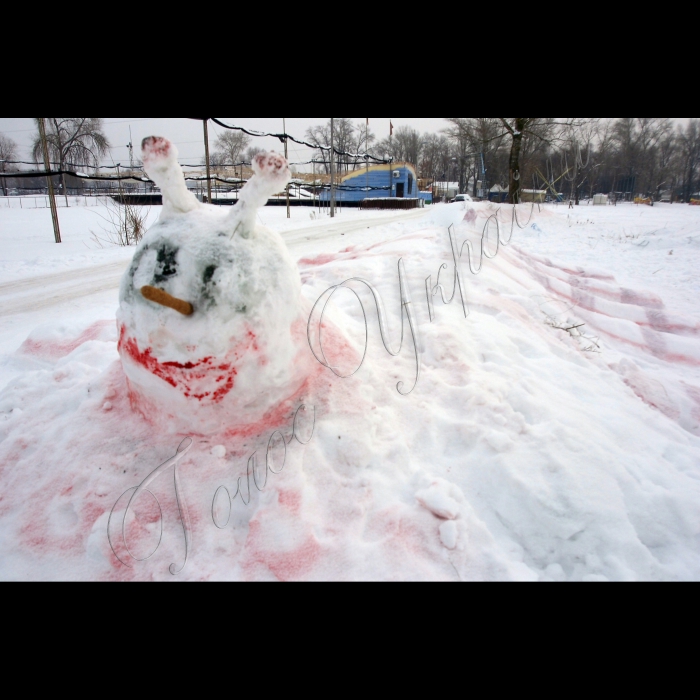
515, 184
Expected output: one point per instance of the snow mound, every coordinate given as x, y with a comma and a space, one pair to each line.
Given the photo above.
525, 452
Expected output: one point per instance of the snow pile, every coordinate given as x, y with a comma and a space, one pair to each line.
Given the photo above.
240, 351
552, 435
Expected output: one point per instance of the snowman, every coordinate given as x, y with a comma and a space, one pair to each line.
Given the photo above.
211, 334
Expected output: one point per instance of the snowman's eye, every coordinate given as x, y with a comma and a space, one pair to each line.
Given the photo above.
166, 263
209, 274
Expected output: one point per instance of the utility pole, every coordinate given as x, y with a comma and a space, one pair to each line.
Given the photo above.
206, 154
367, 159
286, 155
131, 151
391, 160
332, 168
47, 167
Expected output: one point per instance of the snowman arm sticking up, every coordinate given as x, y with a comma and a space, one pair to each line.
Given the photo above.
271, 177
160, 163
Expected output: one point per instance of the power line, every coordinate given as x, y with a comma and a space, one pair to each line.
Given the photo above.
287, 137
103, 178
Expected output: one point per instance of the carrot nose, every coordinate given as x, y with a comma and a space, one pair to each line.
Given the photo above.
161, 297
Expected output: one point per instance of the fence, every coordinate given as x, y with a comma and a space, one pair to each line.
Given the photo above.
393, 203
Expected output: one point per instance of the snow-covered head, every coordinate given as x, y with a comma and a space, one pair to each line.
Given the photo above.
210, 313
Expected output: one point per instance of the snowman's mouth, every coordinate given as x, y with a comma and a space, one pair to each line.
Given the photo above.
160, 296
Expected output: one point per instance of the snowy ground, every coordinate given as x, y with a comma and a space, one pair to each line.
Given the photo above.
525, 452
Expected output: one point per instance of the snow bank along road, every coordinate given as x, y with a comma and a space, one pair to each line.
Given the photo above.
41, 292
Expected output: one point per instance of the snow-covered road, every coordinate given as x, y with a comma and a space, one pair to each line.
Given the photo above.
39, 293
327, 230
44, 291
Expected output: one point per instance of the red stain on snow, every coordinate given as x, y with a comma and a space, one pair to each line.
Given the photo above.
652, 393
285, 566
56, 349
274, 419
579, 272
320, 260
204, 379
653, 330
290, 500
405, 532
155, 147
40, 534
694, 394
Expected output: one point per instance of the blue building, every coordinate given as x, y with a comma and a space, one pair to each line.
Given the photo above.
379, 182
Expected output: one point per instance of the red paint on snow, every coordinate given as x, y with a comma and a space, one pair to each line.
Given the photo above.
653, 394
319, 260
274, 419
652, 331
208, 378
290, 500
56, 349
285, 566
155, 148
694, 394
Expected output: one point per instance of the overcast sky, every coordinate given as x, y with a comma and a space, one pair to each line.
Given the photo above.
188, 134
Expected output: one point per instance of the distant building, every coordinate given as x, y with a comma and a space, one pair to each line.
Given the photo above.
498, 194
446, 190
378, 182
537, 196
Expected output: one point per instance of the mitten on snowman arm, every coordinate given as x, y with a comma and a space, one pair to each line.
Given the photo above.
272, 175
160, 162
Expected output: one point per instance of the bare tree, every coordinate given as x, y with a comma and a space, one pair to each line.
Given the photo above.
229, 147
436, 158
364, 142
72, 141
252, 152
345, 141
637, 141
519, 129
528, 135
480, 139
578, 142
8, 151
405, 145
689, 158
